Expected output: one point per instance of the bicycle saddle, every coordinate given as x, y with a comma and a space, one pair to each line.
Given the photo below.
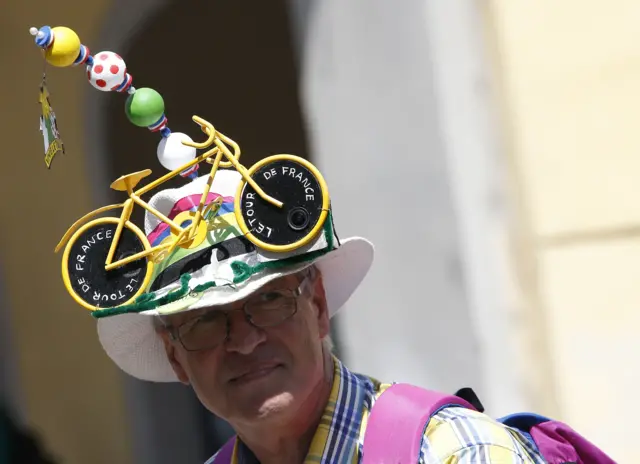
129, 181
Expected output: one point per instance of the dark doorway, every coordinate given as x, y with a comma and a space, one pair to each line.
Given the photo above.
232, 63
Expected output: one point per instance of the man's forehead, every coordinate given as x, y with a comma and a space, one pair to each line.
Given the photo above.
288, 281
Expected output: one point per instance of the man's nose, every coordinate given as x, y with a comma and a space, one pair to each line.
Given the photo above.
243, 337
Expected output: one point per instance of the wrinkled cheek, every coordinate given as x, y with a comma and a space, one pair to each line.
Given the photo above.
210, 393
201, 367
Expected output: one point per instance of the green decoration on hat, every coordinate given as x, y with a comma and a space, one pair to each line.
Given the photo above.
144, 107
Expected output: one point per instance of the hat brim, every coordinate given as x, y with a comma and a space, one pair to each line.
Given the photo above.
131, 341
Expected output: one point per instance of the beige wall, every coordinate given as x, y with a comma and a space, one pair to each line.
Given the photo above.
571, 80
73, 393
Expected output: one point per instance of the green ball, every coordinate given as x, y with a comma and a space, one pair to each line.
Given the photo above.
144, 107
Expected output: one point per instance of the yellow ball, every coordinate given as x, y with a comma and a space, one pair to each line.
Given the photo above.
65, 48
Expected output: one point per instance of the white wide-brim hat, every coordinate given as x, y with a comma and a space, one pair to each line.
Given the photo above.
128, 333
132, 342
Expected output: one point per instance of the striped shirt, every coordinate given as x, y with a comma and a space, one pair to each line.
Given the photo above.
453, 436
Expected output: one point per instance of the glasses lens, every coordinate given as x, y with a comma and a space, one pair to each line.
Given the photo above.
204, 332
271, 308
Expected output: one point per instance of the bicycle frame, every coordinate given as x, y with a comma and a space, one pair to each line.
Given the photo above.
184, 234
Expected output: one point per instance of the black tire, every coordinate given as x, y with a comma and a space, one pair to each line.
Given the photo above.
84, 265
303, 192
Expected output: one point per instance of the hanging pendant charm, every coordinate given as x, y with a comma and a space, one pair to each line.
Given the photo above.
49, 126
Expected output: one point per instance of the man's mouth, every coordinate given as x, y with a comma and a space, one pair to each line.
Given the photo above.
256, 372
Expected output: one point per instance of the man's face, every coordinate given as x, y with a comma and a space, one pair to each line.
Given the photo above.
256, 372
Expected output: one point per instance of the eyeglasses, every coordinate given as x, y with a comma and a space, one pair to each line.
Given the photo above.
267, 309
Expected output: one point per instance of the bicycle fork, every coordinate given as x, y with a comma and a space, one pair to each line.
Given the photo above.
243, 172
124, 217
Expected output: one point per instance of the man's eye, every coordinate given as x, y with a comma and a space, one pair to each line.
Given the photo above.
210, 316
188, 326
271, 296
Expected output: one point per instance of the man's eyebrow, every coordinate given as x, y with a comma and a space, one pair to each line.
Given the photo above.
177, 321
284, 284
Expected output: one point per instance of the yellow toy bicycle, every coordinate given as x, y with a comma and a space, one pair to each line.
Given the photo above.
281, 203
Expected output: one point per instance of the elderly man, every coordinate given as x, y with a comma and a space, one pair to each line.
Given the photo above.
265, 365
248, 329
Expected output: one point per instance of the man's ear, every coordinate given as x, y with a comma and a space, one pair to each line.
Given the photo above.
170, 350
320, 302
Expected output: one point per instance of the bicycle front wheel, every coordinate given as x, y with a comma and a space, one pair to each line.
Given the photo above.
83, 265
300, 187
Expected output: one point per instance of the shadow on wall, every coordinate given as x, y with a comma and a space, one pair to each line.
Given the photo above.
19, 445
238, 71
216, 61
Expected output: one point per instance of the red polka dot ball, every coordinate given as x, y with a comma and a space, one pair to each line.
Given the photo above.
108, 71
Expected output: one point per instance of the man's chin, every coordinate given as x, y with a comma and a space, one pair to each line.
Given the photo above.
266, 406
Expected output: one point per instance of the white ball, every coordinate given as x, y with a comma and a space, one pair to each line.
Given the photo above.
108, 71
172, 153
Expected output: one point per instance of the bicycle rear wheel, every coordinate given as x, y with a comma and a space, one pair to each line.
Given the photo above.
300, 187
83, 265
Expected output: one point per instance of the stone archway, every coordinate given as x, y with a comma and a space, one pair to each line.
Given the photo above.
236, 70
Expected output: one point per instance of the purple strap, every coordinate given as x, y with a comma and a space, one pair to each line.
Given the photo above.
226, 452
397, 423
